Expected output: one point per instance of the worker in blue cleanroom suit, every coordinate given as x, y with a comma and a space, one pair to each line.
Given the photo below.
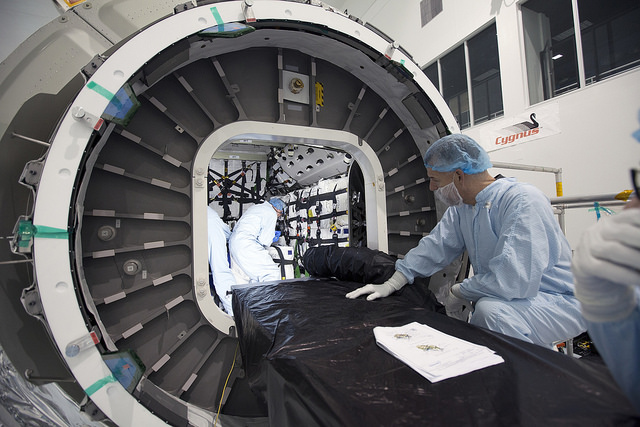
522, 283
606, 266
223, 278
251, 237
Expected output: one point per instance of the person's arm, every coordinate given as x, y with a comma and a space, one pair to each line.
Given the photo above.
618, 343
528, 242
267, 225
606, 268
434, 251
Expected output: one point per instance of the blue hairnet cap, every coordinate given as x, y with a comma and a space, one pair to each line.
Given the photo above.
457, 151
277, 203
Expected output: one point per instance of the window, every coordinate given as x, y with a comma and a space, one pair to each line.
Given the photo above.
473, 64
550, 50
608, 43
484, 68
454, 85
610, 36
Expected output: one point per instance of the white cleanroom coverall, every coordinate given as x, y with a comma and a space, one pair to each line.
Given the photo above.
223, 278
522, 284
252, 235
606, 267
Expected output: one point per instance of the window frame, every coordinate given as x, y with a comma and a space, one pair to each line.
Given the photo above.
582, 80
469, 84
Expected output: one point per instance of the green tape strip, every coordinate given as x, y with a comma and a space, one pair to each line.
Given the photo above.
99, 384
218, 18
99, 89
50, 232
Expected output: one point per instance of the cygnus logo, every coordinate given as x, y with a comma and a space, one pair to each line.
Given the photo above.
519, 131
522, 128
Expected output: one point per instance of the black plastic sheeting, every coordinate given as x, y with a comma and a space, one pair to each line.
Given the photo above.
310, 355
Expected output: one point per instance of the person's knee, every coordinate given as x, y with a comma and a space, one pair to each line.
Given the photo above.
504, 317
488, 313
481, 315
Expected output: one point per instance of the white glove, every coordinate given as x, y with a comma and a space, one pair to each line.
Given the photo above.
606, 267
394, 283
456, 305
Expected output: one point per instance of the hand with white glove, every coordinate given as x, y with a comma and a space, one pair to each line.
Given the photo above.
456, 305
606, 267
394, 283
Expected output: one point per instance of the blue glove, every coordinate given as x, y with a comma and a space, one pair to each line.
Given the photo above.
277, 237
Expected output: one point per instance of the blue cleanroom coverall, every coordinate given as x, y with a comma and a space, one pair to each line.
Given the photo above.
621, 337
522, 284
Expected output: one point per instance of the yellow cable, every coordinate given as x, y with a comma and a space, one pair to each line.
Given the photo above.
215, 423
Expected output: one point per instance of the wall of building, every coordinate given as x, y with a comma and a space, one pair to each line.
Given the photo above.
592, 140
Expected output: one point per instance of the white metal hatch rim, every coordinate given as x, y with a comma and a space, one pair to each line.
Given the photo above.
51, 256
375, 196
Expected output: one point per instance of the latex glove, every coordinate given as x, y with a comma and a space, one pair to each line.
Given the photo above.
606, 267
277, 236
394, 283
456, 305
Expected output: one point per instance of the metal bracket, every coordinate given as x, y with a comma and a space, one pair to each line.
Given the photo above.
184, 6
23, 233
93, 65
30, 299
80, 114
247, 10
391, 48
31, 173
92, 411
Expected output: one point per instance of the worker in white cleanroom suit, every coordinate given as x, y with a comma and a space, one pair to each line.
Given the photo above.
606, 267
223, 278
522, 284
251, 237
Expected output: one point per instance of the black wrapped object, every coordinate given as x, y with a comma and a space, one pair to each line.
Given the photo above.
361, 265
311, 356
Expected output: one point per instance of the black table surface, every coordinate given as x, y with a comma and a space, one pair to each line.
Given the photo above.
311, 356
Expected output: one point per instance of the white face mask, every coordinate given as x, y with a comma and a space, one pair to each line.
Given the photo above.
449, 195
